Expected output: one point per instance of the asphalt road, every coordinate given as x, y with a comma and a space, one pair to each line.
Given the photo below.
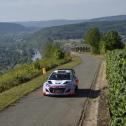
38, 110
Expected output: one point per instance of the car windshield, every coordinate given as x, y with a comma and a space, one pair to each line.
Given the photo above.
57, 76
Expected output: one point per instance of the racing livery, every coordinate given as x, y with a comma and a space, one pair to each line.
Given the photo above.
61, 82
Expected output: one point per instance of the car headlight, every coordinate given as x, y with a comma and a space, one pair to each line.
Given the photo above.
67, 82
49, 82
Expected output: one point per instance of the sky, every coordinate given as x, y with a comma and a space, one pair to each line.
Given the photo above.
36, 10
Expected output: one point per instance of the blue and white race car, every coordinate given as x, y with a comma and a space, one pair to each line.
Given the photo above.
61, 82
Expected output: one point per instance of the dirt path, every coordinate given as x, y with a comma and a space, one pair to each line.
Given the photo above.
37, 110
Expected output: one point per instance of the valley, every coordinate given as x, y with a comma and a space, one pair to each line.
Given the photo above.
18, 40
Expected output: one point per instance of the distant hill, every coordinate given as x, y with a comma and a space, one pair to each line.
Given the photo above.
37, 25
12, 28
76, 31
110, 18
50, 23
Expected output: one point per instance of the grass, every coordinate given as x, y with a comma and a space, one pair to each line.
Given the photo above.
12, 95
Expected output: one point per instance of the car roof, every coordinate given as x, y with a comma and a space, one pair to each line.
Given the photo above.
66, 69
62, 71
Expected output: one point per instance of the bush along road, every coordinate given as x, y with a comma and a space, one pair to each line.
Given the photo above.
116, 76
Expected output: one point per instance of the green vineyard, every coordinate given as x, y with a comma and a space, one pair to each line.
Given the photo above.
116, 76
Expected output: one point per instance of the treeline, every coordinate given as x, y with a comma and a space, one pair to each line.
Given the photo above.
116, 76
102, 42
23, 73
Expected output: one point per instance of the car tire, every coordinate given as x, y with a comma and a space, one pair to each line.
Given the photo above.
76, 88
44, 94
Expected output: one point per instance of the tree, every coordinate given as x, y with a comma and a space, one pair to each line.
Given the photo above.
112, 41
47, 49
93, 38
53, 50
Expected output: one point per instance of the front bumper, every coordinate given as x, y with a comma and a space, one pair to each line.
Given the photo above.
59, 92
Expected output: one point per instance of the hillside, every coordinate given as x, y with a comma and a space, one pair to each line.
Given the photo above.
11, 28
76, 31
50, 23
110, 18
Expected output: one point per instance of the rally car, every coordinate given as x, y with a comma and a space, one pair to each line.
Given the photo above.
61, 82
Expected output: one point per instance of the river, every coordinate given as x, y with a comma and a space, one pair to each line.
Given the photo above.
37, 55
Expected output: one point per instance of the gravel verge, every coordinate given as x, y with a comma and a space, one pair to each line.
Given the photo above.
97, 113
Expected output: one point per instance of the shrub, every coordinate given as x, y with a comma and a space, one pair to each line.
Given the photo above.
116, 75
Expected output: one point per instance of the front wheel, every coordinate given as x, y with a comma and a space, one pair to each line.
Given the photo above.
76, 88
44, 94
